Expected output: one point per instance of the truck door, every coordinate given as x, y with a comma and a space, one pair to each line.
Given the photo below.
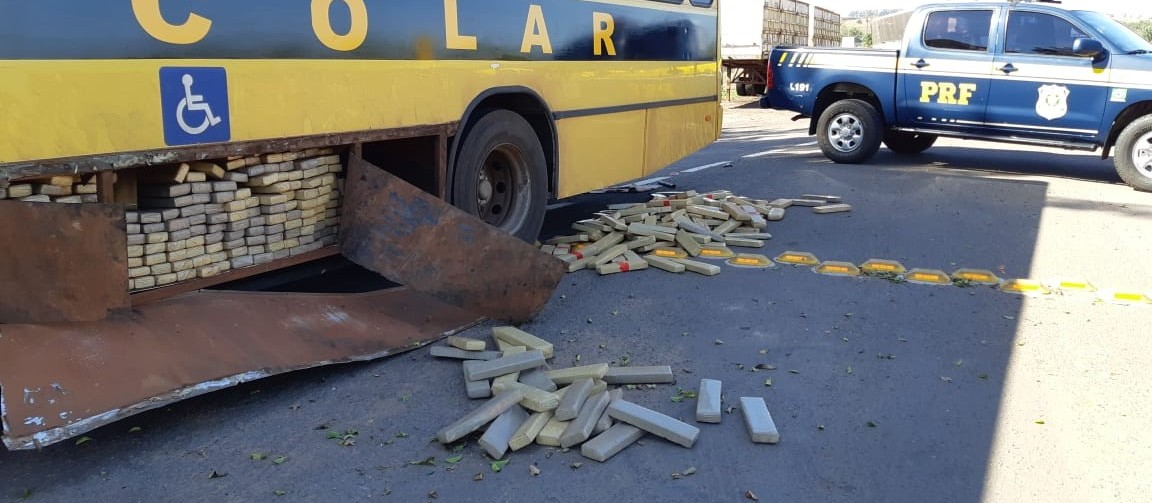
944, 70
1040, 89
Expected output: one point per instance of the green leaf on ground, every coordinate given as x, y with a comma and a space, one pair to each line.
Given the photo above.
454, 459
429, 461
83, 440
871, 424
257, 456
280, 460
499, 464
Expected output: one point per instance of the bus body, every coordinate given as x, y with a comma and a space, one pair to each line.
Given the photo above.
154, 150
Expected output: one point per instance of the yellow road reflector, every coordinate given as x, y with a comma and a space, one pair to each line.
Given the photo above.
669, 253
833, 268
751, 260
881, 266
797, 258
1072, 286
1125, 297
716, 253
1024, 286
978, 276
928, 277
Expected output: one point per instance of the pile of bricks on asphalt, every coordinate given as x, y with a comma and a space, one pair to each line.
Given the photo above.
530, 402
674, 228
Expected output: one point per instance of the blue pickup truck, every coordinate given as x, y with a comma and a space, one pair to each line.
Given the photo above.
1018, 72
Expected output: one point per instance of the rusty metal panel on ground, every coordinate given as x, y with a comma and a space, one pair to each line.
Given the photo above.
413, 238
61, 262
61, 380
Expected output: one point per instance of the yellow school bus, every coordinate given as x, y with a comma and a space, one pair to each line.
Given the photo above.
611, 89
153, 150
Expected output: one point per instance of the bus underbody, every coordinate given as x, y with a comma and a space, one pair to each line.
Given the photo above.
78, 350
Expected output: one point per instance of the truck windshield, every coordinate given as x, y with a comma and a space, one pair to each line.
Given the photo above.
1125, 39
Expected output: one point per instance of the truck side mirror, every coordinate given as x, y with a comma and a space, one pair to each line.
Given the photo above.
1087, 47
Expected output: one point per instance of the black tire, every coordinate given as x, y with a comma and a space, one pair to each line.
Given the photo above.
758, 89
741, 89
903, 142
1133, 159
501, 174
849, 131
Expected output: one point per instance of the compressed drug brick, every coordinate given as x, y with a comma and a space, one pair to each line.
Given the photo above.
574, 398
459, 354
654, 374
499, 433
506, 365
610, 442
564, 376
521, 338
479, 416
657, 423
526, 433
581, 427
708, 401
758, 420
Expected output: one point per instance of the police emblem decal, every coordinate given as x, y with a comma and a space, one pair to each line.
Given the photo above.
1053, 101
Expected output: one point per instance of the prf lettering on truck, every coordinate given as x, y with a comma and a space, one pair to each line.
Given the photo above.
946, 93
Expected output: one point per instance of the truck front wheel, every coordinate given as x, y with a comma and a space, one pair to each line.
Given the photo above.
1134, 154
501, 175
903, 142
849, 131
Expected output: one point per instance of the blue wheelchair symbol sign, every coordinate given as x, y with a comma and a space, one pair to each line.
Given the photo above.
195, 105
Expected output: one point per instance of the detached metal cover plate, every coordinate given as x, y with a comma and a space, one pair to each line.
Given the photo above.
62, 262
61, 380
413, 238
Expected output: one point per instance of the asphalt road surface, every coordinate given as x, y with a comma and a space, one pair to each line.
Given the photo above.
882, 391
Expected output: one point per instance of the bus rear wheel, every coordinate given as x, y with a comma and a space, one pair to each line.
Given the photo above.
501, 175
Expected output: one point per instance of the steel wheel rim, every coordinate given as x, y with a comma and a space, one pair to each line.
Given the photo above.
845, 132
502, 187
1142, 155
